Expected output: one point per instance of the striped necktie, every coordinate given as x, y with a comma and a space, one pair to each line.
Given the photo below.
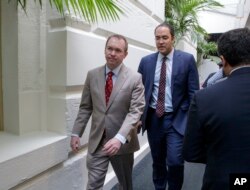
160, 106
108, 86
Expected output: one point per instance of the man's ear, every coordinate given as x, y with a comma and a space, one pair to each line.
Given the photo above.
226, 67
222, 60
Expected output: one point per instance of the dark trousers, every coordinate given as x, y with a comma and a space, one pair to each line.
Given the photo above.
166, 150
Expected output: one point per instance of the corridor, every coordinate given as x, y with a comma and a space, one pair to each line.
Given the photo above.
142, 176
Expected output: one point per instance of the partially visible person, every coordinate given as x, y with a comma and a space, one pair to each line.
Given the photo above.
214, 76
218, 128
170, 78
217, 77
204, 85
116, 107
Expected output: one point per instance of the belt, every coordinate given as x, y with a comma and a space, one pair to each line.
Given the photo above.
153, 110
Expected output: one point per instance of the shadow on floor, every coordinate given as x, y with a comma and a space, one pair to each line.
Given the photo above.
142, 175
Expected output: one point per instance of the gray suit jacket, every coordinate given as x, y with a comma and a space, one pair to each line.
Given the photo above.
123, 111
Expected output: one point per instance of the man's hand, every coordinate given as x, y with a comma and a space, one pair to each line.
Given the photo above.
75, 143
112, 146
139, 126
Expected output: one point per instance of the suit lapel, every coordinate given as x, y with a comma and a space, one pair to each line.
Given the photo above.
153, 66
101, 84
118, 84
151, 70
174, 69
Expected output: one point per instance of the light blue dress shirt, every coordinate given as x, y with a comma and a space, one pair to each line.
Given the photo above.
168, 94
115, 73
216, 77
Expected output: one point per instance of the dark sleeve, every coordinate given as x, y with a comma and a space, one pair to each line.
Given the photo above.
204, 85
193, 78
140, 69
194, 139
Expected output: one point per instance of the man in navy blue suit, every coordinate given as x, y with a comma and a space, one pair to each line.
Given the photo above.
170, 79
218, 127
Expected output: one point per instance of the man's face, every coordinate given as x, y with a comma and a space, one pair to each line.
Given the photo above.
164, 40
115, 52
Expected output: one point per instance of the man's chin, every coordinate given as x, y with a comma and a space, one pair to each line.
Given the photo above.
162, 50
112, 65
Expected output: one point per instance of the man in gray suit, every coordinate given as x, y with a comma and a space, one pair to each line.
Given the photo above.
116, 106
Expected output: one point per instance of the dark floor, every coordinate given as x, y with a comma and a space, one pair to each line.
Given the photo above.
142, 175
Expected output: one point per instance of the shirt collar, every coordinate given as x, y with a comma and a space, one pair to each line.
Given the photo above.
115, 71
169, 56
240, 67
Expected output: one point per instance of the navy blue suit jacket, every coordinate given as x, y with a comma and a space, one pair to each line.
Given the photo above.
218, 129
184, 83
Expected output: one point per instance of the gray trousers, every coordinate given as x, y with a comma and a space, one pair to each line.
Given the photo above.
97, 165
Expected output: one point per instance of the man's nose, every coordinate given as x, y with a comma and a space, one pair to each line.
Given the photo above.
112, 52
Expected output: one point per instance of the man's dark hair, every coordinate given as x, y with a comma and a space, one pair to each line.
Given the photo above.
167, 25
234, 46
120, 37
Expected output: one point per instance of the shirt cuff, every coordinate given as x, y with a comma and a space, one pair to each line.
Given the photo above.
74, 135
121, 138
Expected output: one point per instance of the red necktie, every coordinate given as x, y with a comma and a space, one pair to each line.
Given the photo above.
108, 86
160, 106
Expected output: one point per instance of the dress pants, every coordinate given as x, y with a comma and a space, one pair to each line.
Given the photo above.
166, 150
97, 164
